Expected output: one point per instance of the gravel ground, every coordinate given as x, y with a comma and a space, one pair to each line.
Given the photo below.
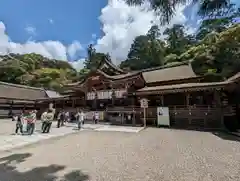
151, 155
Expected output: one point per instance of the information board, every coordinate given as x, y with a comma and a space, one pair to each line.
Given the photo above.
163, 116
144, 103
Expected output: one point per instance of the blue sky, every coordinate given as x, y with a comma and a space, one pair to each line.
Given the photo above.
52, 19
62, 29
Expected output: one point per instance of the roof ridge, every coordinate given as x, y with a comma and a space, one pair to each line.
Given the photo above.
114, 66
21, 86
110, 64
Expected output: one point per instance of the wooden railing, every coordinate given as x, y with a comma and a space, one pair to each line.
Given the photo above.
186, 116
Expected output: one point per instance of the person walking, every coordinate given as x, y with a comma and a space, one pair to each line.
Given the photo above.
80, 116
48, 122
31, 120
78, 120
60, 119
96, 117
43, 119
66, 117
19, 125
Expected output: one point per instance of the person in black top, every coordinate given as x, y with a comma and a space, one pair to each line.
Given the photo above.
18, 123
60, 119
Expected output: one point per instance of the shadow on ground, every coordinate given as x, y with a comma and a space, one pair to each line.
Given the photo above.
8, 171
221, 134
226, 136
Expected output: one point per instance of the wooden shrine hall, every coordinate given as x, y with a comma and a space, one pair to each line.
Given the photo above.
15, 98
192, 101
115, 94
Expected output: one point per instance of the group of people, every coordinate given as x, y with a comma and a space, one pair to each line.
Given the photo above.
25, 122
80, 117
63, 117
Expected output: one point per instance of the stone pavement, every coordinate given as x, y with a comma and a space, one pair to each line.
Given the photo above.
12, 141
127, 129
9, 141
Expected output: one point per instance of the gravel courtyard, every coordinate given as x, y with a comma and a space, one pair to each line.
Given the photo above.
151, 155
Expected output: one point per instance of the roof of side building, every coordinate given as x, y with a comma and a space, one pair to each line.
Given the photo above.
21, 92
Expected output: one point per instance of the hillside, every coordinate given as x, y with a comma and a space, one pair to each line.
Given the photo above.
36, 70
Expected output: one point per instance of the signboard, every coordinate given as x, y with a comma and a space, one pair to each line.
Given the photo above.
106, 94
144, 103
163, 116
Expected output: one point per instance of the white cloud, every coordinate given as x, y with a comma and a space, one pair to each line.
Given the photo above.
74, 48
30, 30
50, 49
78, 64
122, 23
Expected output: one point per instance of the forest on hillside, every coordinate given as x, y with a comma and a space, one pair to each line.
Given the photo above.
213, 50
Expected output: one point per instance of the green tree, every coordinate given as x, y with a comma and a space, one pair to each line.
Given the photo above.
171, 58
177, 40
36, 70
166, 8
218, 54
146, 51
94, 58
83, 73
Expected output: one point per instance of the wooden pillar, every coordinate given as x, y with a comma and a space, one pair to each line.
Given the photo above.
11, 109
83, 100
218, 103
35, 105
187, 99
189, 108
162, 100
134, 111
113, 97
95, 102
54, 104
73, 102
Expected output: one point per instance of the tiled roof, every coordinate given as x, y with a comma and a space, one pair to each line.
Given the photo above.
181, 87
168, 74
16, 91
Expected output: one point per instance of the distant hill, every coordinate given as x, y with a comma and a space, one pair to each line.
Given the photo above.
36, 70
